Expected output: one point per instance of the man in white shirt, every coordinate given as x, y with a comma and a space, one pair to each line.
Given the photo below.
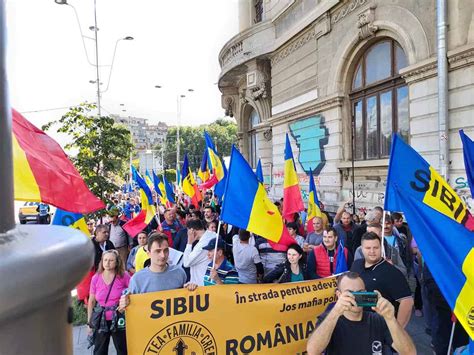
195, 257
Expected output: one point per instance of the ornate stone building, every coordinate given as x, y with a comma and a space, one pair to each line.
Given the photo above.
322, 70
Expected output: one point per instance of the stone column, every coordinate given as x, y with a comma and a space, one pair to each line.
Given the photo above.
245, 14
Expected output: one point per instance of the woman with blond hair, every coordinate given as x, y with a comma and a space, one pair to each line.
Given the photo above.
107, 286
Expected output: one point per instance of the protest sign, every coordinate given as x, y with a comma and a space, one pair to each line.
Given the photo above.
228, 319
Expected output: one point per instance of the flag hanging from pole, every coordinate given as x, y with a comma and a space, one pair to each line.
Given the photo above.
159, 188
468, 149
141, 221
415, 177
189, 185
44, 173
292, 199
448, 250
170, 197
259, 171
313, 204
246, 205
203, 171
213, 162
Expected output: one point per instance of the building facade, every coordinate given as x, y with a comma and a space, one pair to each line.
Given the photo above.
145, 138
340, 76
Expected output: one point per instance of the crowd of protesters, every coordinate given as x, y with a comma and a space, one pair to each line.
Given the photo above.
181, 248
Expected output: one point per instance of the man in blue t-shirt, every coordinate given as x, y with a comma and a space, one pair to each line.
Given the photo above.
223, 272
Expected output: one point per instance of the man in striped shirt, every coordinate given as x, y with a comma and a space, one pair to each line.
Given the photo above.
223, 272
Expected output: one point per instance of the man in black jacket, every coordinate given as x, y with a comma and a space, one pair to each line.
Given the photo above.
101, 243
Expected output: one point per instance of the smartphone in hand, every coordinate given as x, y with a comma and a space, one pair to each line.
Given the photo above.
365, 299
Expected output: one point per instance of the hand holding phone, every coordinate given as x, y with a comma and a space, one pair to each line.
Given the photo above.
365, 299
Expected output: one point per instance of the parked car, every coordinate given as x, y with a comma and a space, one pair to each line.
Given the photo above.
28, 212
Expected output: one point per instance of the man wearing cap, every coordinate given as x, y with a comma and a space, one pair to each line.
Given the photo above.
223, 272
118, 236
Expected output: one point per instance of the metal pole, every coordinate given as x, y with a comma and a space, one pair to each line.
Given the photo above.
131, 150
97, 57
451, 338
352, 161
178, 119
441, 19
7, 222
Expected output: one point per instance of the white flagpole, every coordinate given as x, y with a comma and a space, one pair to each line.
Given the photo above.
383, 236
451, 338
215, 248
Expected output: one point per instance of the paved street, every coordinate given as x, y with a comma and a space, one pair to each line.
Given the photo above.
416, 329
80, 342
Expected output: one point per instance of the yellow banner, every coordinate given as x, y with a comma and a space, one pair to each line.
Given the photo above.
227, 319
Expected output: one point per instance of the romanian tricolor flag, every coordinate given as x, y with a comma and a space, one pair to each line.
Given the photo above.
147, 213
468, 149
44, 173
292, 199
410, 173
203, 171
313, 204
189, 185
159, 188
246, 205
259, 171
448, 250
214, 163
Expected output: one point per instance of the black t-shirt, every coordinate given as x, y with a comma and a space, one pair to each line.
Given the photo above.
385, 278
370, 336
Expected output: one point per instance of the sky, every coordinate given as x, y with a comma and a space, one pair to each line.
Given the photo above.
176, 45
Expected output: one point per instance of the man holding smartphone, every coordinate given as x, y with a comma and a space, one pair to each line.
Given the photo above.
349, 329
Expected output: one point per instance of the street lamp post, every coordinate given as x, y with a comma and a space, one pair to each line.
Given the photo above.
95, 38
179, 99
97, 57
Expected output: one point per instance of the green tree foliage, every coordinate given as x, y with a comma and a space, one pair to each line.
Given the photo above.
103, 147
223, 132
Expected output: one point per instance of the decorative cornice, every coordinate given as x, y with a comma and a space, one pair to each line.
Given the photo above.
457, 58
309, 109
420, 71
347, 9
294, 45
461, 57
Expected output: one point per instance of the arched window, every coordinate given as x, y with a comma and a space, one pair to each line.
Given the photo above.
379, 99
254, 120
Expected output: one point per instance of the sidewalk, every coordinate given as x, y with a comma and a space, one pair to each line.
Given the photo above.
415, 328
80, 342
